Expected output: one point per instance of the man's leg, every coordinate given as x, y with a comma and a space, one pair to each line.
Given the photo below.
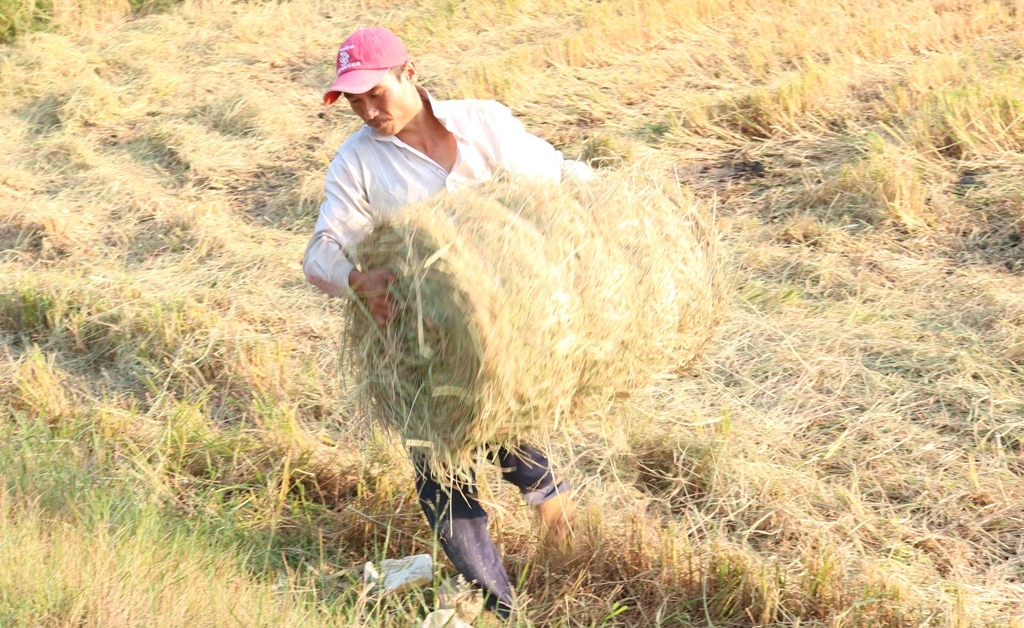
528, 469
460, 523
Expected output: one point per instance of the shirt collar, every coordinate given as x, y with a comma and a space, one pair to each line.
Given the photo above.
442, 109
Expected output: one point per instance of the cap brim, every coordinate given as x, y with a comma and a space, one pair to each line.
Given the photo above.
353, 82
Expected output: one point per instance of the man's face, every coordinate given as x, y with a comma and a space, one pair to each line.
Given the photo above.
390, 105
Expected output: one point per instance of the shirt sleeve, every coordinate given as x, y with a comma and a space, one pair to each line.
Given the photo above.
521, 152
575, 169
344, 220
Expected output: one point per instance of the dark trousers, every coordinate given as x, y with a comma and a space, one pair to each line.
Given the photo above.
460, 522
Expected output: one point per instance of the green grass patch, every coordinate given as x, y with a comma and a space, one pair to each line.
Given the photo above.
23, 16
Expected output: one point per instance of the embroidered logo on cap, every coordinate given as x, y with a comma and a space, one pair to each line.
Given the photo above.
345, 61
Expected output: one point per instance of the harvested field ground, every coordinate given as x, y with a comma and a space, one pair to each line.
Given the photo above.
851, 453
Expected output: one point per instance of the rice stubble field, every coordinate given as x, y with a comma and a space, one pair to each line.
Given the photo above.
175, 448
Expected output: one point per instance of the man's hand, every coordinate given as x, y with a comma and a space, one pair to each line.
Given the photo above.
372, 287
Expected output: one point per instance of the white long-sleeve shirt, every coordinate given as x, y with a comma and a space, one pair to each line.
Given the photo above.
373, 175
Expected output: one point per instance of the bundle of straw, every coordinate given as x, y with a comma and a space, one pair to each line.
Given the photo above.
522, 305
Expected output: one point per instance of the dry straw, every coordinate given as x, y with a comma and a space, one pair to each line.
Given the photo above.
522, 305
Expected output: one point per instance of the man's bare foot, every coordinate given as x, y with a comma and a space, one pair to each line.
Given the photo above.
556, 515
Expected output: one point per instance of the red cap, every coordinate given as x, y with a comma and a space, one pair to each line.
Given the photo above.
364, 59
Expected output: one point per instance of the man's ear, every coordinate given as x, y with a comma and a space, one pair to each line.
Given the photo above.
410, 71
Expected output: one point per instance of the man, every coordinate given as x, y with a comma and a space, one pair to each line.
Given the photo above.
411, 147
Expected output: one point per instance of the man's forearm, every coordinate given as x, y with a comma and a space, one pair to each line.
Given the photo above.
354, 277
